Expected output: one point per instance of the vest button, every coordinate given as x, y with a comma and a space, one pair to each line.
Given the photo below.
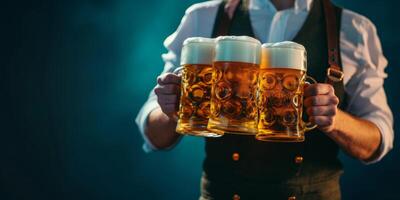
292, 198
298, 159
235, 156
236, 197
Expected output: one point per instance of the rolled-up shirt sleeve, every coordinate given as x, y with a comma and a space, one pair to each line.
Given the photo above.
366, 95
173, 44
141, 120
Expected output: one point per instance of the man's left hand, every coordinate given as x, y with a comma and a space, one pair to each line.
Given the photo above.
321, 104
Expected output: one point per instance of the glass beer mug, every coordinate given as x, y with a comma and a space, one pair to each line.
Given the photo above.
196, 68
233, 95
282, 77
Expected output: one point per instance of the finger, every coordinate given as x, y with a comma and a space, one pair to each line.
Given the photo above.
168, 99
321, 120
321, 100
318, 89
169, 109
169, 78
321, 111
167, 89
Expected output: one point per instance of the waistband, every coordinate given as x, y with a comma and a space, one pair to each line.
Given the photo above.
327, 188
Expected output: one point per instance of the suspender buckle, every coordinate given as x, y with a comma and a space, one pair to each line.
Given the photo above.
335, 75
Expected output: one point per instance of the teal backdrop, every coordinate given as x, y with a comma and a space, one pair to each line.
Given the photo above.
75, 74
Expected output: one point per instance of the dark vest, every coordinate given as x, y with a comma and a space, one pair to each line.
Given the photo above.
242, 166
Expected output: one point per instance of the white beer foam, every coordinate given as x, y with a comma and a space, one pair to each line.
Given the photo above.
285, 54
237, 49
198, 50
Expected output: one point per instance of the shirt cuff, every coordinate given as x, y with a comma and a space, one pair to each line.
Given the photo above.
386, 140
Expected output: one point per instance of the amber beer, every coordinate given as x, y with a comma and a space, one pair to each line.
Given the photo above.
196, 64
282, 77
233, 96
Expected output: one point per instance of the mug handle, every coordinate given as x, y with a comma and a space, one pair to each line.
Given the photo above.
177, 71
308, 125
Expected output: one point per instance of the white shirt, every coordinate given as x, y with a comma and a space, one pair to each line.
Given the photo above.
361, 52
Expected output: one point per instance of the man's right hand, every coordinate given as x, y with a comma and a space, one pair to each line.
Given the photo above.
168, 93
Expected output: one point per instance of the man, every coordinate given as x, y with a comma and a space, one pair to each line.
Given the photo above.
352, 114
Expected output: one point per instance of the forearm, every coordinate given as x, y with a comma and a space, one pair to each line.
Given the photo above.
358, 137
160, 129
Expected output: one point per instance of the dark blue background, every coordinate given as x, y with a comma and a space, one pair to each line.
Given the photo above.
74, 75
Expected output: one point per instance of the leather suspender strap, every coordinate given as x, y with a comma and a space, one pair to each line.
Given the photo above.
334, 72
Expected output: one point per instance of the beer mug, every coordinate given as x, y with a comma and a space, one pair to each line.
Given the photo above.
282, 77
196, 68
233, 95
